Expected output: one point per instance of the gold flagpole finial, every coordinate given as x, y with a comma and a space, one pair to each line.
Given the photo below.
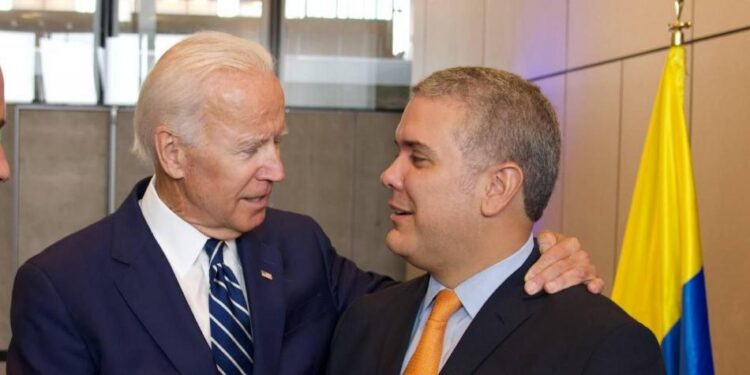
678, 37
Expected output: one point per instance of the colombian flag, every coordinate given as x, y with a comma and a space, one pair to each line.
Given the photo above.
660, 274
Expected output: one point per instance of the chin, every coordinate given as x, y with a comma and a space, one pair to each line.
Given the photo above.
396, 243
254, 221
409, 249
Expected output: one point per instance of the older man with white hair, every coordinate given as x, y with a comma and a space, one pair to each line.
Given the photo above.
194, 274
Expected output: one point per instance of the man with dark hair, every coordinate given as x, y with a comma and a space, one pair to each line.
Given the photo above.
478, 157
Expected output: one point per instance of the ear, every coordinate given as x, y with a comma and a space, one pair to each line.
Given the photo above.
169, 152
503, 183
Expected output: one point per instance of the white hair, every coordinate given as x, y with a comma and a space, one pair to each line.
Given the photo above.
174, 93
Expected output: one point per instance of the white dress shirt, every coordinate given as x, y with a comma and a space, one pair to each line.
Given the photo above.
472, 293
182, 244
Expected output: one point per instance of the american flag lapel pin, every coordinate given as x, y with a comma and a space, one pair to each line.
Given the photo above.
266, 275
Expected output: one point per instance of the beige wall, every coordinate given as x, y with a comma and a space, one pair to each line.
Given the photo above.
604, 112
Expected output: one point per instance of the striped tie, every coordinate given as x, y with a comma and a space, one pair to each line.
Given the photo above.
231, 340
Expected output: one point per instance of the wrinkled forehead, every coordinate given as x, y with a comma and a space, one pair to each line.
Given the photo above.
243, 93
250, 102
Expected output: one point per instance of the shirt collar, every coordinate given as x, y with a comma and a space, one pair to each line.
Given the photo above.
476, 290
181, 242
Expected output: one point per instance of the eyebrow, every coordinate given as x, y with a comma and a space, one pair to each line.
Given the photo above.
416, 146
251, 143
258, 140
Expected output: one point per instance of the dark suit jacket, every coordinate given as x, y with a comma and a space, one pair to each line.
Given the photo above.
571, 332
105, 300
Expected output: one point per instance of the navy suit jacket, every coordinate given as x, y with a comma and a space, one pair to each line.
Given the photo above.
570, 332
105, 300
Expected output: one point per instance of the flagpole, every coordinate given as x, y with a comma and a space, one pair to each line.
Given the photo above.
676, 27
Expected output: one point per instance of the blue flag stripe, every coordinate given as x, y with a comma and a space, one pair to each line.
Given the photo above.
687, 346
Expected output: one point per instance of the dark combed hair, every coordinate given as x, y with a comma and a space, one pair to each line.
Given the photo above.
508, 119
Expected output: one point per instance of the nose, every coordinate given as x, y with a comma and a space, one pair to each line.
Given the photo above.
391, 176
273, 168
4, 167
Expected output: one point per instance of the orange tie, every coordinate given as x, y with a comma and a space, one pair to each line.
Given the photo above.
426, 359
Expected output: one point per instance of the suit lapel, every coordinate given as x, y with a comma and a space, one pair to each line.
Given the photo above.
147, 284
263, 270
401, 317
506, 310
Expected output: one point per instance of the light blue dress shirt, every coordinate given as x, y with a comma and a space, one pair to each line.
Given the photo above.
472, 293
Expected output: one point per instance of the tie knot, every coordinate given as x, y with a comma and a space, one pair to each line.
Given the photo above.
446, 303
214, 249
